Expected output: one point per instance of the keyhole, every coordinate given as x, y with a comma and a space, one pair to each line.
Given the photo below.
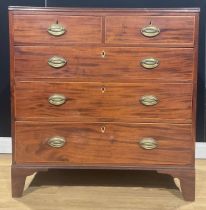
103, 54
103, 129
103, 89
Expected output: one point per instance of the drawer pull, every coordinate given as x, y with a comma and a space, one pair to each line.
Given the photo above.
56, 142
149, 63
57, 99
150, 31
148, 143
56, 29
149, 100
57, 62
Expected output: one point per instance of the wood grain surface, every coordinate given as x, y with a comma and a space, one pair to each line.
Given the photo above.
119, 64
86, 144
79, 29
127, 30
118, 103
102, 119
187, 181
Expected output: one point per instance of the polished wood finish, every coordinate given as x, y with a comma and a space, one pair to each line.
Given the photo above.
119, 64
187, 181
103, 102
127, 30
18, 178
32, 29
103, 144
102, 119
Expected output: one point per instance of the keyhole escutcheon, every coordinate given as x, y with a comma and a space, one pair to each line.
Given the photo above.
103, 129
103, 89
103, 54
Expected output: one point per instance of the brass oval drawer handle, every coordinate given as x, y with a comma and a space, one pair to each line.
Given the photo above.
148, 143
150, 31
57, 99
56, 29
149, 100
56, 142
150, 63
57, 62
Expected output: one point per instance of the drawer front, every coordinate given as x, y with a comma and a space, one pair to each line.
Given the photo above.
30, 29
97, 102
147, 30
119, 144
117, 64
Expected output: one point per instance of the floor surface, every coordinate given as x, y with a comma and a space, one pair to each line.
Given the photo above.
100, 190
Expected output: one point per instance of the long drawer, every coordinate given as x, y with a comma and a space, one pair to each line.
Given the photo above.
53, 29
95, 102
150, 30
103, 144
104, 63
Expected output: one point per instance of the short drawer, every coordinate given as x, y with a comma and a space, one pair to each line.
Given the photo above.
56, 29
97, 102
114, 64
103, 144
150, 30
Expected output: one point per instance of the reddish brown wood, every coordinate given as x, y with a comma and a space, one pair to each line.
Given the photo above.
18, 177
127, 30
169, 22
187, 181
33, 29
121, 64
86, 102
194, 101
86, 144
117, 108
11, 42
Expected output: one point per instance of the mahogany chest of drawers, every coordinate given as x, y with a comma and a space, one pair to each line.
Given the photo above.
104, 89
